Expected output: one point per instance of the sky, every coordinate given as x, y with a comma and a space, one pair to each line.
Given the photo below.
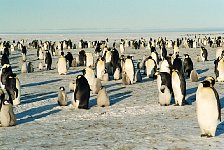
53, 15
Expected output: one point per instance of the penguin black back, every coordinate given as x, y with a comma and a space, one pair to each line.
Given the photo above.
48, 60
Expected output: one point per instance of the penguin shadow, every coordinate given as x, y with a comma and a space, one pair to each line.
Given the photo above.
74, 72
192, 98
220, 129
222, 102
111, 85
40, 83
35, 113
115, 98
116, 89
201, 79
200, 71
38, 97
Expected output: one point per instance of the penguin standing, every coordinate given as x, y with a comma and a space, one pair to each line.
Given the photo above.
177, 64
40, 66
117, 74
100, 67
125, 78
6, 71
129, 69
89, 75
179, 87
165, 66
30, 67
5, 59
62, 97
96, 85
204, 54
89, 60
82, 58
164, 85
69, 58
138, 76
103, 98
82, 93
188, 65
122, 49
219, 69
48, 60
208, 109
62, 65
150, 65
154, 55
24, 68
16, 101
194, 76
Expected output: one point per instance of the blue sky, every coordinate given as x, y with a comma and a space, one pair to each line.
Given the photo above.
48, 15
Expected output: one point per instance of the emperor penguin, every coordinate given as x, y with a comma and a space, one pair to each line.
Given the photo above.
105, 75
194, 76
138, 76
41, 54
16, 101
5, 59
122, 48
40, 66
165, 66
208, 109
96, 86
198, 58
204, 54
74, 64
117, 74
154, 55
163, 52
103, 98
82, 58
89, 74
69, 58
151, 67
178, 64
179, 87
108, 64
125, 78
188, 65
100, 67
24, 68
89, 60
164, 85
82, 93
62, 97
7, 115
71, 85
129, 69
62, 65
48, 60
30, 67
23, 57
219, 69
219, 52
6, 71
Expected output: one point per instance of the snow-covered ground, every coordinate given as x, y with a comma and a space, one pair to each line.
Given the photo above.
134, 120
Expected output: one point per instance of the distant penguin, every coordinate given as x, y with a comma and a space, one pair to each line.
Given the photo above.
69, 58
82, 58
117, 74
164, 85
41, 54
82, 93
62, 97
163, 52
105, 76
96, 86
138, 76
5, 59
122, 49
204, 54
24, 68
125, 78
219, 52
16, 101
23, 57
179, 87
89, 75
6, 71
100, 67
194, 76
89, 60
74, 64
62, 65
71, 85
7, 115
165, 66
48, 60
198, 58
150, 66
129, 68
188, 65
30, 67
154, 55
103, 98
208, 109
40, 66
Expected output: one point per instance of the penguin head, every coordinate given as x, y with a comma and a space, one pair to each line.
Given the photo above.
207, 83
211, 80
186, 55
62, 88
6, 102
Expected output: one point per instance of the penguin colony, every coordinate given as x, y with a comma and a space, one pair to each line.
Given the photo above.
170, 71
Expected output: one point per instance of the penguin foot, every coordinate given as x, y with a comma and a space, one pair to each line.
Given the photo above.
203, 135
176, 105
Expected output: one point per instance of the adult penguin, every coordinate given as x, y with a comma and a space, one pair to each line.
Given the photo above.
150, 67
11, 88
177, 64
154, 55
62, 65
163, 52
115, 60
82, 58
179, 87
48, 60
164, 85
165, 66
219, 69
69, 58
5, 59
89, 60
208, 109
188, 65
204, 54
100, 67
129, 68
6, 71
82, 93
89, 75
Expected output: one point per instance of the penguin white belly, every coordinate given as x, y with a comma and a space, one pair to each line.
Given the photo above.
150, 65
207, 111
164, 67
164, 98
129, 69
89, 59
220, 68
90, 77
218, 52
117, 74
122, 48
202, 57
176, 89
100, 69
154, 57
5, 116
16, 101
62, 68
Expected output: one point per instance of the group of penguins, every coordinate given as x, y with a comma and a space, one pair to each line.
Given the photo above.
169, 70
